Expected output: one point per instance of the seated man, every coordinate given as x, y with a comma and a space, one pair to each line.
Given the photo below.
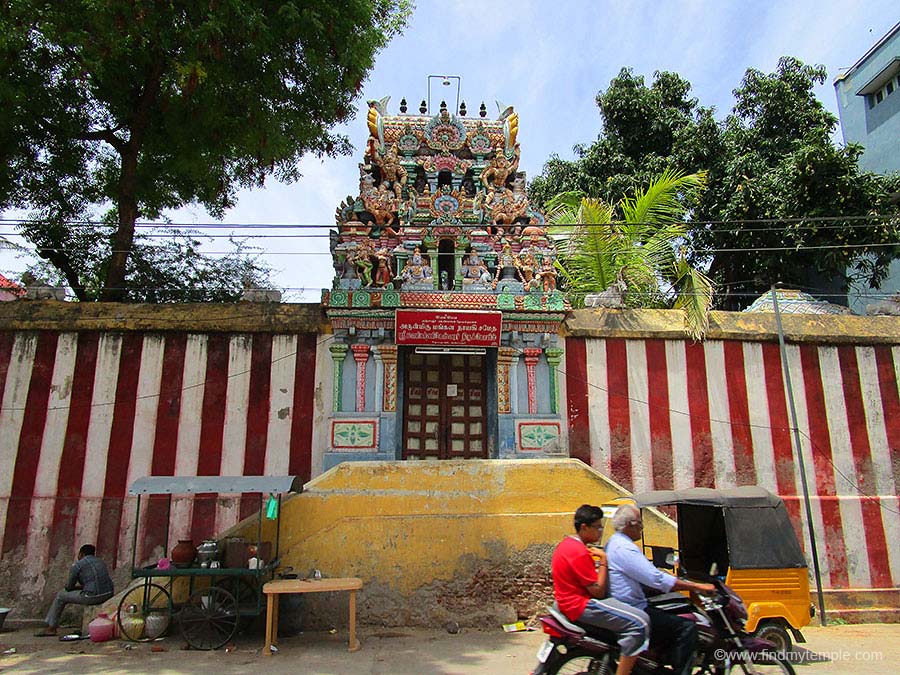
89, 584
629, 569
580, 589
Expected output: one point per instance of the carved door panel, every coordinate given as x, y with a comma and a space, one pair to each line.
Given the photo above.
444, 407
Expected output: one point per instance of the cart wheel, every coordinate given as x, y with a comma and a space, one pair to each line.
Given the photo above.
144, 613
246, 593
210, 618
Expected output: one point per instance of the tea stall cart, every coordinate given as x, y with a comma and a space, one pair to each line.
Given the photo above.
215, 598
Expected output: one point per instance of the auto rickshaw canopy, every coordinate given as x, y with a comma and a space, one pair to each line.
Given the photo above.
744, 528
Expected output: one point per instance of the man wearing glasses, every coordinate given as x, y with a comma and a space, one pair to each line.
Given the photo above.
580, 585
629, 570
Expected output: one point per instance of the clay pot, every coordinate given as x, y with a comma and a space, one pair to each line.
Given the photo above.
183, 553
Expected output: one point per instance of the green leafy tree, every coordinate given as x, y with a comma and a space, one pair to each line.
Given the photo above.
639, 241
772, 158
144, 106
646, 130
782, 164
164, 266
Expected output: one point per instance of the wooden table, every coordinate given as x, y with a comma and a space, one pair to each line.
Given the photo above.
274, 588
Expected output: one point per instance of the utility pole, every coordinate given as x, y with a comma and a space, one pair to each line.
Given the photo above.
800, 462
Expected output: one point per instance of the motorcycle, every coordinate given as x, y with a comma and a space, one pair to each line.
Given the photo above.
723, 646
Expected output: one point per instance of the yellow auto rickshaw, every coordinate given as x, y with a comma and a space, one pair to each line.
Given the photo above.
744, 536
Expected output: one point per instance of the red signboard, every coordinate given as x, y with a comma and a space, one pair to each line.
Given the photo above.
448, 328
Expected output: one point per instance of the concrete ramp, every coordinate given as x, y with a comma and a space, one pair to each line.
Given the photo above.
437, 541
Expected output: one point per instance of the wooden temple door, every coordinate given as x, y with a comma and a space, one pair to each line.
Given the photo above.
444, 407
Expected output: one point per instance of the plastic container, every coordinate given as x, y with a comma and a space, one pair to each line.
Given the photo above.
3, 612
101, 628
132, 623
155, 625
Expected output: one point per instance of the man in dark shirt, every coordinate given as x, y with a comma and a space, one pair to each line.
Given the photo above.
89, 583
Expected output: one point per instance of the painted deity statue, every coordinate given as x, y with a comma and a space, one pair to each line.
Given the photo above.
506, 265
548, 275
362, 260
417, 269
527, 267
383, 273
495, 175
393, 175
474, 270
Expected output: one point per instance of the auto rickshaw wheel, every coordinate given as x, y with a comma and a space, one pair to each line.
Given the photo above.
775, 633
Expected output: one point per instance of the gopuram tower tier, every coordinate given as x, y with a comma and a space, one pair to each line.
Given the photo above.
445, 288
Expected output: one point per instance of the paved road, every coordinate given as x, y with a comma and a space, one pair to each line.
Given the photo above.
872, 649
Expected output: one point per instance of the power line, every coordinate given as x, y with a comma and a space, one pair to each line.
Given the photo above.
806, 221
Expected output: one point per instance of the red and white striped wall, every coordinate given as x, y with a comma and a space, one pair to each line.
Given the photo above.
86, 413
663, 414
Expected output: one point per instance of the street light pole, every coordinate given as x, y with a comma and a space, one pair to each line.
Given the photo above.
800, 462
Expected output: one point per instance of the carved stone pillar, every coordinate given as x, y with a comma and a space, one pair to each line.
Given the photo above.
387, 356
457, 271
532, 354
361, 356
506, 357
338, 354
554, 357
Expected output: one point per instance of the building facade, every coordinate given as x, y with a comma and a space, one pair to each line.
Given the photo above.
868, 97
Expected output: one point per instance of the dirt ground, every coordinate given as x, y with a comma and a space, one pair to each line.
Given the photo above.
871, 649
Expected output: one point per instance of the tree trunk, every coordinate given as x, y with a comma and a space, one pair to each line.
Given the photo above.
123, 238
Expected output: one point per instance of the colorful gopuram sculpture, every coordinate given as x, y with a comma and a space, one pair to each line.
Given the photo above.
442, 208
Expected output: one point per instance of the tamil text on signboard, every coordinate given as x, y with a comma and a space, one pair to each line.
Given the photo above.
447, 328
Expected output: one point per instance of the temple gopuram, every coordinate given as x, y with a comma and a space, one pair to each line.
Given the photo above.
445, 295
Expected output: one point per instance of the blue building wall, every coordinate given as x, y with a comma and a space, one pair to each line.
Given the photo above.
873, 119
868, 97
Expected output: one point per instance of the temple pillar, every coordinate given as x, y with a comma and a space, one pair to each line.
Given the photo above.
532, 355
361, 356
386, 382
338, 354
554, 357
506, 358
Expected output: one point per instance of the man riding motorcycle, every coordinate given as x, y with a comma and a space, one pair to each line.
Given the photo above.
629, 570
580, 585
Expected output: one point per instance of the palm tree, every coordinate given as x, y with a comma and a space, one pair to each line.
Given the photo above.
643, 248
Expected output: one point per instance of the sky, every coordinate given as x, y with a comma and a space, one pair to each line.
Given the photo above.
548, 59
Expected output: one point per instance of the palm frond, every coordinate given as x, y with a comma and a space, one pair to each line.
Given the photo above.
694, 297
643, 248
661, 201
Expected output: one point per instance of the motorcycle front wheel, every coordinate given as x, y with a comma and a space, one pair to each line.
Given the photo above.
578, 662
753, 666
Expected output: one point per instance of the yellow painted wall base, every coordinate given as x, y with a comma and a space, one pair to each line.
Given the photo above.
434, 541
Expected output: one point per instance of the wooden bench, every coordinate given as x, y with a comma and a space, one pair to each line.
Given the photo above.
274, 588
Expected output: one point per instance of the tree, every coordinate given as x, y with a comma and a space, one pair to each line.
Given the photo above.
646, 130
643, 248
772, 158
164, 266
782, 166
144, 106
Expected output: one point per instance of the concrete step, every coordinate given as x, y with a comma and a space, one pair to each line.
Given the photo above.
862, 605
869, 615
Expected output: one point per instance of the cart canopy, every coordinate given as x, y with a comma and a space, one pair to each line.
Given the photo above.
189, 485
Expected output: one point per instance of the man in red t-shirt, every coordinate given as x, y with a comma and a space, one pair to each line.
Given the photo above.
579, 584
